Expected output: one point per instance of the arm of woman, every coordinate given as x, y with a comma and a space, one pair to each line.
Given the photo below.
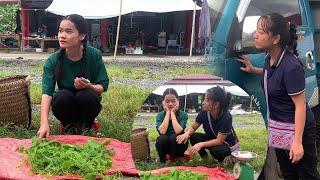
101, 83
44, 129
178, 126
296, 150
97, 88
214, 142
248, 66
175, 124
183, 138
163, 127
79, 84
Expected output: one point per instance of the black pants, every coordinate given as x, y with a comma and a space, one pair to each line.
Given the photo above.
76, 109
316, 112
306, 168
168, 145
218, 152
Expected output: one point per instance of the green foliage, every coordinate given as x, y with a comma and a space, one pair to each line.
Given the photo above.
173, 175
173, 72
120, 104
4, 74
120, 72
117, 72
53, 158
8, 18
8, 130
255, 140
35, 93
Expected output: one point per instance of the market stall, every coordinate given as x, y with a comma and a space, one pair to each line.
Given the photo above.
99, 9
41, 41
10, 41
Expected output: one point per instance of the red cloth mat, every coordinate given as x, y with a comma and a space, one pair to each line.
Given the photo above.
12, 167
216, 173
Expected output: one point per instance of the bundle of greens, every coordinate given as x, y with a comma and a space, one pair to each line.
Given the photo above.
174, 175
54, 158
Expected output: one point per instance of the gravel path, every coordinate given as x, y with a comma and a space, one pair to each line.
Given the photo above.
121, 58
27, 63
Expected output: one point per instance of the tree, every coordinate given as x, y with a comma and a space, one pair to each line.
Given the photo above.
8, 18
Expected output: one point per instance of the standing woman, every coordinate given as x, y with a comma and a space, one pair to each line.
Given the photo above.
291, 125
218, 137
81, 76
171, 122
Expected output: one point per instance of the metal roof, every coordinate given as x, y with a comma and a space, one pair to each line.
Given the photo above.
204, 79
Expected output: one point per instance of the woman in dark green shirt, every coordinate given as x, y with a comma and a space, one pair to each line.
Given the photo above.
80, 74
171, 122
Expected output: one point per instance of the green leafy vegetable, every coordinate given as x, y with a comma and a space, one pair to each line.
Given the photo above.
173, 175
54, 158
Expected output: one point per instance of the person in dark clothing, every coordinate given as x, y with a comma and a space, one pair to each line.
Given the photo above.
81, 76
291, 125
18, 22
218, 137
170, 123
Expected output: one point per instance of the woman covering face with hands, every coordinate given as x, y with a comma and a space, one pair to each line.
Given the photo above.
218, 137
81, 76
170, 123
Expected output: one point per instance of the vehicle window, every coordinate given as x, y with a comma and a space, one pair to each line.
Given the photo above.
289, 9
215, 7
315, 7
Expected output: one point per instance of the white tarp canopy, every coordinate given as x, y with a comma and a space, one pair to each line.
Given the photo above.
188, 89
100, 9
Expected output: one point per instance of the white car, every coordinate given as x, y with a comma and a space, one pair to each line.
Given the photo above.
238, 112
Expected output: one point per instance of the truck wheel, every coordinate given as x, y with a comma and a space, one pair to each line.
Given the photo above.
316, 113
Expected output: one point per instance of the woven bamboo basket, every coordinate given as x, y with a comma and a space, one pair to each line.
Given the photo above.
140, 144
15, 107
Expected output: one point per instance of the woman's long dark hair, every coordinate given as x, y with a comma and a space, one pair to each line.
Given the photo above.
82, 26
173, 92
277, 24
218, 94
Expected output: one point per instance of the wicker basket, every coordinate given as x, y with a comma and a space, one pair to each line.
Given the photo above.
140, 144
15, 107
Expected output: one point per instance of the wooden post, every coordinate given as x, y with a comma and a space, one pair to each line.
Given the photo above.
193, 26
118, 31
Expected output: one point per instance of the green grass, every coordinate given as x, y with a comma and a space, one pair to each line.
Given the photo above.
20, 132
172, 71
4, 74
122, 101
2, 62
249, 119
128, 72
37, 68
119, 107
120, 72
255, 140
35, 93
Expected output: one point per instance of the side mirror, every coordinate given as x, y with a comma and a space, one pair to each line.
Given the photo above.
249, 28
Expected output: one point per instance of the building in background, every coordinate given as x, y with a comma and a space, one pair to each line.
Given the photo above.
191, 90
102, 32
